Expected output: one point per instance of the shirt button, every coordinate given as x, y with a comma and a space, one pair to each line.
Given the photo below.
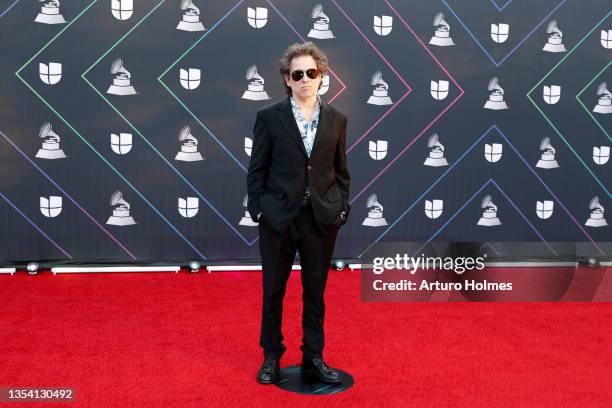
309, 167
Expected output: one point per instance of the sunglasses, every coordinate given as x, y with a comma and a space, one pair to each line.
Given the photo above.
297, 75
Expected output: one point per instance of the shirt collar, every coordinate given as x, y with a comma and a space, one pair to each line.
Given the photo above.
296, 108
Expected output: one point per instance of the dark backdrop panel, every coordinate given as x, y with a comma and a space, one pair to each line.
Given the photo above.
152, 180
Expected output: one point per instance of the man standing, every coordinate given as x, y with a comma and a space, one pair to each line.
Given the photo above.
298, 188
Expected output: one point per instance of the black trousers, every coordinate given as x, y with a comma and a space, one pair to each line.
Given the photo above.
277, 255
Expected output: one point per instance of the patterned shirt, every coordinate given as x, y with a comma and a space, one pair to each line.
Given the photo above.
308, 130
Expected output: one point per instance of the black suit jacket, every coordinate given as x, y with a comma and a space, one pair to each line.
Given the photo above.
280, 169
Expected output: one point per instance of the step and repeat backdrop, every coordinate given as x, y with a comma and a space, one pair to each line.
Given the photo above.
126, 125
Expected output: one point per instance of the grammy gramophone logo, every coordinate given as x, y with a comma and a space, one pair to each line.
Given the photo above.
246, 219
255, 89
596, 218
375, 216
436, 152
320, 29
50, 13
547, 159
496, 96
50, 148
555, 38
489, 214
441, 37
380, 93
189, 146
121, 211
604, 103
324, 85
190, 20
122, 80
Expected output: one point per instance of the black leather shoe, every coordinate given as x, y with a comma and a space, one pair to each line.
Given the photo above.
269, 371
318, 369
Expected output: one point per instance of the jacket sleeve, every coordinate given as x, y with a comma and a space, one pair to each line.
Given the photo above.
342, 175
258, 166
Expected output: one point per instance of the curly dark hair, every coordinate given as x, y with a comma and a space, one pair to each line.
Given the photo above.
298, 50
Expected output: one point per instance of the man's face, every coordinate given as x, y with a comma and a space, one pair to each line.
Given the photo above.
306, 87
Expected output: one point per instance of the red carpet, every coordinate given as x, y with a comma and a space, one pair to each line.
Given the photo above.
191, 340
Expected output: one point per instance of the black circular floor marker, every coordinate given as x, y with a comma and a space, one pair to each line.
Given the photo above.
293, 379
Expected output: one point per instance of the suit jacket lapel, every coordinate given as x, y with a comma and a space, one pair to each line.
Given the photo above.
288, 121
323, 126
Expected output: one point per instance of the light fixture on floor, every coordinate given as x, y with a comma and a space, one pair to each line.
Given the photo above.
592, 262
32, 268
